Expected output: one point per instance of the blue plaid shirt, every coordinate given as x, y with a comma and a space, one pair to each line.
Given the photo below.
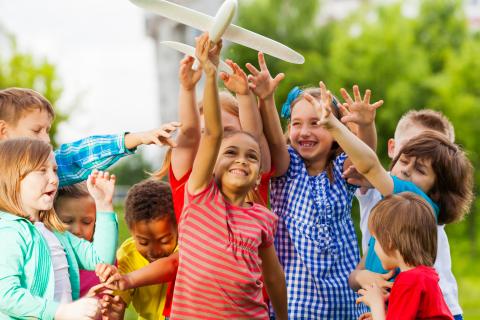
316, 241
77, 159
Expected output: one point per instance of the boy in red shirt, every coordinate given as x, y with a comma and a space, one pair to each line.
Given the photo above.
406, 232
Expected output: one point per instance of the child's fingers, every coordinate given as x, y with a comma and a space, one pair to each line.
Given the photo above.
356, 94
252, 69
323, 89
362, 292
278, 78
377, 105
169, 127
261, 61
346, 96
106, 175
366, 97
224, 76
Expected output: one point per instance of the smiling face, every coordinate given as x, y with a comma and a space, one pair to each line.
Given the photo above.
154, 239
238, 164
38, 188
310, 140
34, 124
418, 171
79, 215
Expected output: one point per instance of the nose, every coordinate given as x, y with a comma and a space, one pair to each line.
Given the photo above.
406, 171
304, 131
53, 178
75, 229
241, 160
45, 137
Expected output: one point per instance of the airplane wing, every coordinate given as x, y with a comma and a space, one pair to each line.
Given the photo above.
189, 50
233, 33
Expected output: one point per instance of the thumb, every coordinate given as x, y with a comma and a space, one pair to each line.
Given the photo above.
389, 274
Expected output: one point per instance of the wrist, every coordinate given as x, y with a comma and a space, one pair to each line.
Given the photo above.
132, 140
187, 89
104, 206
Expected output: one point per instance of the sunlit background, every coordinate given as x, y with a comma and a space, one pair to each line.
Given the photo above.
101, 64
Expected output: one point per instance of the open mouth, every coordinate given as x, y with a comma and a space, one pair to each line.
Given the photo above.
238, 172
50, 193
307, 144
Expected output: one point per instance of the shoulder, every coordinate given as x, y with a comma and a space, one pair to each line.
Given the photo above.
419, 277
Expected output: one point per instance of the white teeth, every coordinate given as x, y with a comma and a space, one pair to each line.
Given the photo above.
238, 172
307, 144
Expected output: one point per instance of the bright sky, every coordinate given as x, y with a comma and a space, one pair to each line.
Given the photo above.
103, 55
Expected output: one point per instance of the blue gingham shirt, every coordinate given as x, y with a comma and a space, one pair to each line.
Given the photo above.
316, 241
77, 159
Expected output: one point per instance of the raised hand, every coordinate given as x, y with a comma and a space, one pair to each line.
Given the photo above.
260, 81
101, 186
236, 82
358, 110
208, 53
323, 107
188, 77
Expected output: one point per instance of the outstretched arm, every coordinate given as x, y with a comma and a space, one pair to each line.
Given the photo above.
189, 134
211, 139
263, 85
249, 114
361, 155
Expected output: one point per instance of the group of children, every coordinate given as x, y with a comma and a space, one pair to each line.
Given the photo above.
206, 245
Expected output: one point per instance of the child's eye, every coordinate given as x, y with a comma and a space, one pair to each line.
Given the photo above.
166, 241
143, 243
253, 157
295, 124
230, 152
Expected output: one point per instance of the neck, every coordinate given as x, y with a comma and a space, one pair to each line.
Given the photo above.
403, 266
317, 166
234, 197
34, 216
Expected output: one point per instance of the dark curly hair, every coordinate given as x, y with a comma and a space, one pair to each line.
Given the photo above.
148, 200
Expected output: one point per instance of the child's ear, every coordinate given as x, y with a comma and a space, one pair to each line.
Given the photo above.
391, 148
3, 129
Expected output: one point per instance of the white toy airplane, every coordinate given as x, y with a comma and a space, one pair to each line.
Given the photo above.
218, 27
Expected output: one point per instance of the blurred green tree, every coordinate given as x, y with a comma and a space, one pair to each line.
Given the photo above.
22, 69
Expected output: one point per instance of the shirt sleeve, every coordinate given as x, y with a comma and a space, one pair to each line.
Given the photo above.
405, 300
17, 302
77, 159
102, 249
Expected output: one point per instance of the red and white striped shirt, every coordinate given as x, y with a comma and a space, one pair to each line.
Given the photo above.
219, 272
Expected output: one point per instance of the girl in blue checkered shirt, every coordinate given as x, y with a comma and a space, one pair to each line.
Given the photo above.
315, 241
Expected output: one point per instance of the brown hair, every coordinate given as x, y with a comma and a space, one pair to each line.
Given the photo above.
429, 119
74, 191
148, 200
15, 102
19, 157
335, 150
228, 103
405, 222
453, 187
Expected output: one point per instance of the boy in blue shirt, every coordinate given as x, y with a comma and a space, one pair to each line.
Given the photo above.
26, 113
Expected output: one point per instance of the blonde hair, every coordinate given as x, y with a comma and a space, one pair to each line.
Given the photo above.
19, 157
15, 102
429, 119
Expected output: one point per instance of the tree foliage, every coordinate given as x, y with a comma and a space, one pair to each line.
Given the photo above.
425, 60
23, 69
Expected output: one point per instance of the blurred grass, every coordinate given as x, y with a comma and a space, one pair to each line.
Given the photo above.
465, 266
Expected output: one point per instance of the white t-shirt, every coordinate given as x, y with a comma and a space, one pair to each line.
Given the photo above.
63, 287
443, 263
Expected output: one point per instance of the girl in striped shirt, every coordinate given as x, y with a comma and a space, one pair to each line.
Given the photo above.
226, 243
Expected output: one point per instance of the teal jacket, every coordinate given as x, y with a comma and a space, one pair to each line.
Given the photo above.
26, 272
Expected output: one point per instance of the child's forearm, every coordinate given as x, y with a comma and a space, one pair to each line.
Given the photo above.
274, 134
277, 292
368, 134
378, 311
189, 133
249, 115
158, 272
251, 122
